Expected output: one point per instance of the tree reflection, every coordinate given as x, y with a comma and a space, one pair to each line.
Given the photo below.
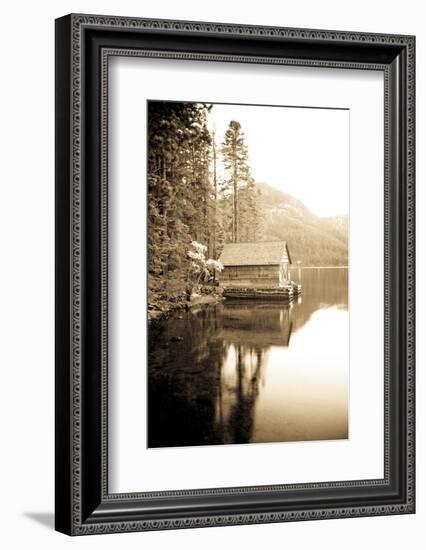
207, 367
241, 379
204, 378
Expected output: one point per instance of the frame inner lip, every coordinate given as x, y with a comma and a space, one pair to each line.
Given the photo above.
106, 53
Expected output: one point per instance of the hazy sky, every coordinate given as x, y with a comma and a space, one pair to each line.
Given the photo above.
303, 152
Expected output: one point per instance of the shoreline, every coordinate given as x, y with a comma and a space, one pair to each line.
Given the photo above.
293, 266
165, 308
167, 311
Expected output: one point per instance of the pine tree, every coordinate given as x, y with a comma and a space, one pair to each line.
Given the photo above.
250, 219
179, 190
235, 159
239, 205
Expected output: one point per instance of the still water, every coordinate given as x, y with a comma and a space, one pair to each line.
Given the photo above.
253, 372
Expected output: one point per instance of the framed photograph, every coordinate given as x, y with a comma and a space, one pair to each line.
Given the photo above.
234, 274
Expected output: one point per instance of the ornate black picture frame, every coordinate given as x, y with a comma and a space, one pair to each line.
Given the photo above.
83, 45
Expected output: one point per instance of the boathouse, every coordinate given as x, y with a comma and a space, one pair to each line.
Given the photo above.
255, 265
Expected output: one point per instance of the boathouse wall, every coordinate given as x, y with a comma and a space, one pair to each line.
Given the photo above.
256, 276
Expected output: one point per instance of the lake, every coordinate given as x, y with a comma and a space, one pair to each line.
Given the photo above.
253, 371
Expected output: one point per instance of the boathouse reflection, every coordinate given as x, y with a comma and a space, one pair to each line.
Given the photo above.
209, 369
222, 356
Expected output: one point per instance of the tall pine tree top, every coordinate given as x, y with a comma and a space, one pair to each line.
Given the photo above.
238, 187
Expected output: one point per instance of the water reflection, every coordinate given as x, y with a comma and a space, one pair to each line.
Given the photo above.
246, 372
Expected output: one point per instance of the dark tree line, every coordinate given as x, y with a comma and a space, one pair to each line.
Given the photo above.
179, 191
198, 189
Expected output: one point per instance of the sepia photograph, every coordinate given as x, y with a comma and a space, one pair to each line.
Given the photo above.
248, 270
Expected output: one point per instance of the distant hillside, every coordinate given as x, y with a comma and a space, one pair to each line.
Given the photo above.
311, 239
338, 224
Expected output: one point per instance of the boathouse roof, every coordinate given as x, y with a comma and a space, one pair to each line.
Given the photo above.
259, 253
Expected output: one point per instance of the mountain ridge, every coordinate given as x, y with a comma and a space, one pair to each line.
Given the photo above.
313, 240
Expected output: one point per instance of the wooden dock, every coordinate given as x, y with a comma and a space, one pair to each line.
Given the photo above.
285, 294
